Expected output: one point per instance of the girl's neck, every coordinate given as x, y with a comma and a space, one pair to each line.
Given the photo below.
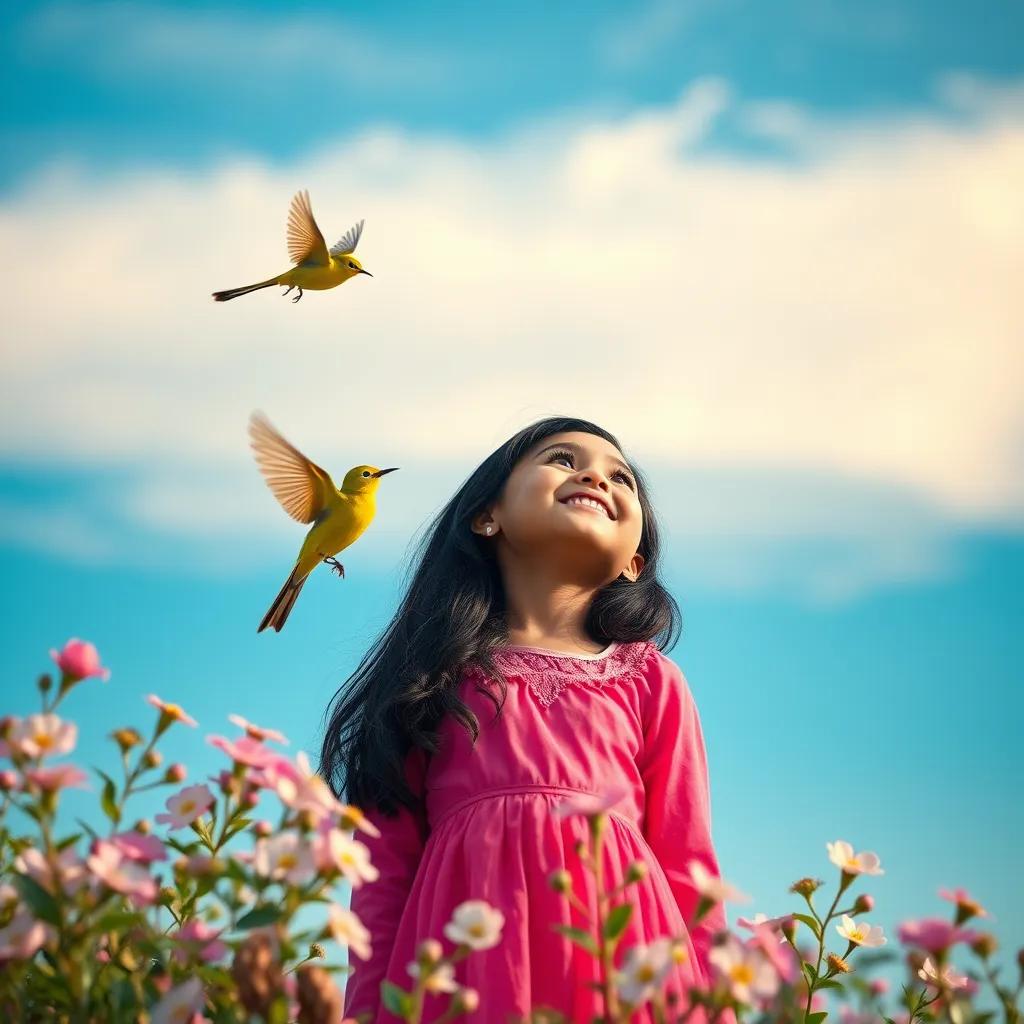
544, 613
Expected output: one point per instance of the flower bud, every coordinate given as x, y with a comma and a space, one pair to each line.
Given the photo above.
429, 952
263, 829
580, 847
143, 826
789, 928
316, 951
465, 1000
680, 954
252, 797
166, 896
879, 986
837, 965
175, 773
636, 872
153, 759
126, 738
985, 944
44, 682
8, 781
560, 880
805, 886
863, 904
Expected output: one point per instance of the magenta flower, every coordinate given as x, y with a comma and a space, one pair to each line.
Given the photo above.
44, 736
203, 939
257, 732
184, 807
933, 934
590, 804
79, 660
246, 751
23, 936
61, 776
172, 712
122, 875
138, 847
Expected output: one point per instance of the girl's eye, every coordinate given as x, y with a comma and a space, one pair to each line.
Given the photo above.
567, 456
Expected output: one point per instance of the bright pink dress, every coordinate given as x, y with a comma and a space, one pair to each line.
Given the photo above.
571, 724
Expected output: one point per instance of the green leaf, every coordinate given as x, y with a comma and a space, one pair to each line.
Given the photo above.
118, 919
267, 914
579, 936
278, 1011
43, 905
810, 922
810, 971
398, 1001
69, 841
108, 800
830, 983
816, 1018
617, 920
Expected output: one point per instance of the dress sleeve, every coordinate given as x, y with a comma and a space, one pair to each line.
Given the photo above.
677, 812
379, 904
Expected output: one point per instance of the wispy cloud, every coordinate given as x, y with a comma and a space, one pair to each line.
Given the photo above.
852, 318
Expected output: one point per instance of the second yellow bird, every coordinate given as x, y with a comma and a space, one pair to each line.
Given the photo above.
316, 266
307, 493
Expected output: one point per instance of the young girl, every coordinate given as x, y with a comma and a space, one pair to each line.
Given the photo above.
522, 669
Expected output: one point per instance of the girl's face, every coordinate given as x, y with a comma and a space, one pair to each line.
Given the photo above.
571, 499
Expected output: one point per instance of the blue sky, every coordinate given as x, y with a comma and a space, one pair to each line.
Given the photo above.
773, 247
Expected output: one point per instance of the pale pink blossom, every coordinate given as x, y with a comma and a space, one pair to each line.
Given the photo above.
203, 939
335, 850
257, 732
180, 1004
122, 875
590, 804
60, 776
79, 660
933, 934
945, 977
67, 875
44, 736
776, 950
746, 971
475, 923
24, 936
437, 977
347, 930
643, 971
285, 857
245, 750
352, 817
841, 854
708, 885
760, 920
186, 806
861, 933
962, 898
172, 711
135, 846
298, 786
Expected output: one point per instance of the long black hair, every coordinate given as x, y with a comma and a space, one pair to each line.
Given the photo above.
453, 616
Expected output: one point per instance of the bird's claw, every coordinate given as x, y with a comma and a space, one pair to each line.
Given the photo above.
287, 290
297, 297
336, 566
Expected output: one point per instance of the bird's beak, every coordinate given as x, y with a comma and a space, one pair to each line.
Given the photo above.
382, 472
368, 274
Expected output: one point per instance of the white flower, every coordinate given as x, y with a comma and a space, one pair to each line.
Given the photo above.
841, 854
180, 1004
946, 978
186, 806
348, 930
285, 857
439, 978
644, 971
747, 971
348, 855
45, 735
475, 923
711, 886
861, 932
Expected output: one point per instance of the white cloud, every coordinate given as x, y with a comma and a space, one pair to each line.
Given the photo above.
854, 316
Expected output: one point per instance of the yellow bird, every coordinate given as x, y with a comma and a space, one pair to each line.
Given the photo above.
307, 493
316, 266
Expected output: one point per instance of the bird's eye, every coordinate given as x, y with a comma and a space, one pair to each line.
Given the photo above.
366, 472
352, 266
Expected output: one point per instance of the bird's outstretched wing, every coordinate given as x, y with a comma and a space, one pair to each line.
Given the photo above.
299, 484
305, 243
348, 242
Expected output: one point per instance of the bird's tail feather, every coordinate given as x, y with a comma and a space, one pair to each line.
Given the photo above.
281, 608
233, 293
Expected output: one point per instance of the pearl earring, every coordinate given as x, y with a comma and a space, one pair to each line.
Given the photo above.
488, 531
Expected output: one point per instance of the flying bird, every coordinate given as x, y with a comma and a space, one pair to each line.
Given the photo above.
316, 266
307, 493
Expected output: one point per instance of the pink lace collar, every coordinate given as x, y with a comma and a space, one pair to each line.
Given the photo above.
548, 672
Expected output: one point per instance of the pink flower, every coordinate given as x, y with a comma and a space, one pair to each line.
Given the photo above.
590, 804
966, 905
181, 1004
257, 732
44, 736
23, 936
762, 921
942, 977
204, 939
8, 780
285, 857
68, 875
136, 846
172, 712
122, 875
59, 777
79, 660
879, 986
244, 751
933, 934
184, 807
776, 951
298, 786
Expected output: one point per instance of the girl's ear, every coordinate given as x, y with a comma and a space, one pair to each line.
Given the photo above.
632, 571
484, 523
